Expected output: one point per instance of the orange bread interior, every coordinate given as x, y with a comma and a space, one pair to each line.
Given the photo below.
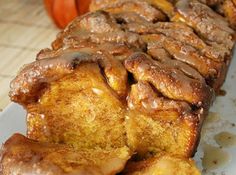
80, 110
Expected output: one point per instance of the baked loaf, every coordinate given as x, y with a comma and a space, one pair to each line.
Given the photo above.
131, 74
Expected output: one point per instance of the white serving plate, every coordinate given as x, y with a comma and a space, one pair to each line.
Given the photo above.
12, 120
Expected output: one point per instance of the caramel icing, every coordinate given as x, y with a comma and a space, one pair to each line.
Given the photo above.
205, 21
186, 54
139, 7
171, 82
142, 97
34, 77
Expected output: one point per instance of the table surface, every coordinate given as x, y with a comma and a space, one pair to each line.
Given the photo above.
25, 29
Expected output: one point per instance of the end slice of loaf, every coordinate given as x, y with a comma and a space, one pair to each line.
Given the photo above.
21, 155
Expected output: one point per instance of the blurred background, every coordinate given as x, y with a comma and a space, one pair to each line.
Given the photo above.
25, 28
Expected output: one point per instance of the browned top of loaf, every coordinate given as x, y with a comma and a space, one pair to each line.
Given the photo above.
179, 61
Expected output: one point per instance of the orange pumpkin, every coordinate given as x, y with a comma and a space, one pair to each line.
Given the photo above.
64, 11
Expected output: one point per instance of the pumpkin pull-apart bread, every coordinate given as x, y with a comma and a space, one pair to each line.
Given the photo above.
93, 112
131, 78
